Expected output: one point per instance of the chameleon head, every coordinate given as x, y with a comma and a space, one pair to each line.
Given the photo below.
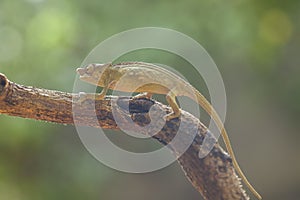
92, 73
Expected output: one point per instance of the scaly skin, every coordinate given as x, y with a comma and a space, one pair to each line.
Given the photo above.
127, 76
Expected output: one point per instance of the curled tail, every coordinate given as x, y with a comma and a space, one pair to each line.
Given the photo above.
202, 101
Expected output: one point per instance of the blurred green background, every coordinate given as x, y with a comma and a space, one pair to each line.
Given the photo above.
255, 44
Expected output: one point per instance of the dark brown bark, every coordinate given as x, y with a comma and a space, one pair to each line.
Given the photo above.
213, 176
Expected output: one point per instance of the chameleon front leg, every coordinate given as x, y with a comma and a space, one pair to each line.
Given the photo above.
171, 99
83, 96
102, 94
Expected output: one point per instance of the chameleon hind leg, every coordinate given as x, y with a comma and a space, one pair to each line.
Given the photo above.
171, 99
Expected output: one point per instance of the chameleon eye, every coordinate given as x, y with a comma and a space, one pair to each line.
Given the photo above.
90, 69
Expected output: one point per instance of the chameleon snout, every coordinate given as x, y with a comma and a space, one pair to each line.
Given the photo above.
80, 71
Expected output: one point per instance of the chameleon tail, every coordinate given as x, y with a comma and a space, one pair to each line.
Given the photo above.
202, 101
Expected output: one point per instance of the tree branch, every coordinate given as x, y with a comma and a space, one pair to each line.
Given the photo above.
213, 176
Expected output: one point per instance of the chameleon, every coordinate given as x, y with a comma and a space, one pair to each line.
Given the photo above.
154, 80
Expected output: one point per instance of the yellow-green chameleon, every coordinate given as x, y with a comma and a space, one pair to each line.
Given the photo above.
153, 79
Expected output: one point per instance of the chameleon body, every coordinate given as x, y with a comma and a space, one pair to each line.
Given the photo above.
153, 79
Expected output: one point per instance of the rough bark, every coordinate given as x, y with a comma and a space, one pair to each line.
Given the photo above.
213, 176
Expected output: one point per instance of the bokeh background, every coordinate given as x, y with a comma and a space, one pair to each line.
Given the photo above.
255, 44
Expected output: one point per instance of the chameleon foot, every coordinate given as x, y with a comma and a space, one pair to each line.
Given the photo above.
84, 96
171, 116
145, 95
